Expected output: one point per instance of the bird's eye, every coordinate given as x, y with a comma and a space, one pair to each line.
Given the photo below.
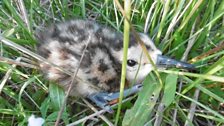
131, 63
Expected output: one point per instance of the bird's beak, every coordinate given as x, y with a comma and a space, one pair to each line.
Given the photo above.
166, 62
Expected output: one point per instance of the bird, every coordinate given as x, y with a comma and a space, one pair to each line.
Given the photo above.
97, 51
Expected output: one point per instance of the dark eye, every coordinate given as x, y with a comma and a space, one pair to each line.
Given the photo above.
131, 63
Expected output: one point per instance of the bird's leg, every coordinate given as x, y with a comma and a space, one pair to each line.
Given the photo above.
102, 99
98, 99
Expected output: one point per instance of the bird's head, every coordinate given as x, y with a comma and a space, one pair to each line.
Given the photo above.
139, 66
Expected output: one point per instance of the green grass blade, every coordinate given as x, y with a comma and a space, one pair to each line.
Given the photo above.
140, 112
169, 89
57, 96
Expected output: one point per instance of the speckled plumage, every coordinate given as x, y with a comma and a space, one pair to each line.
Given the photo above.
100, 69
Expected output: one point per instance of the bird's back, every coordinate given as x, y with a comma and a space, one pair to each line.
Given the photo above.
63, 45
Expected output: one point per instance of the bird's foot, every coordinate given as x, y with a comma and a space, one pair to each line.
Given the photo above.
104, 99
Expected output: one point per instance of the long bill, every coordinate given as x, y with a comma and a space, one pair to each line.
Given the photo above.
166, 62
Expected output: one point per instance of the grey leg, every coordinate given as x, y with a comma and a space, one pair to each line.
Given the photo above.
101, 99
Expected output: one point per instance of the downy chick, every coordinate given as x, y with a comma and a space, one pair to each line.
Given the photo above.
63, 45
